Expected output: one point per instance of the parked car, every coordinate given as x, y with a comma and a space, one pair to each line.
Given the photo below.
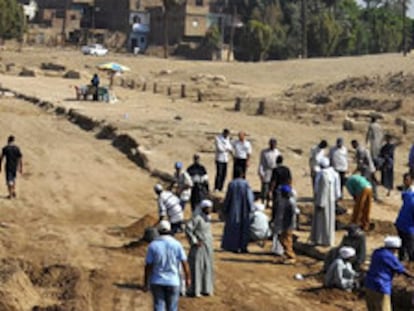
94, 49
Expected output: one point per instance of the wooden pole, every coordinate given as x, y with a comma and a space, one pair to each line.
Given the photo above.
183, 93
237, 104
155, 88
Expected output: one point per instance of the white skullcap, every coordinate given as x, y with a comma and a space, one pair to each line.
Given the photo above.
346, 252
206, 203
259, 207
158, 188
164, 226
324, 162
392, 242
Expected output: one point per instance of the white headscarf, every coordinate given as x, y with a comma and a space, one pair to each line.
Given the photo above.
347, 252
324, 162
392, 242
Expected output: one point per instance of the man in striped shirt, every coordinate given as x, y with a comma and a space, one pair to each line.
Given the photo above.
169, 208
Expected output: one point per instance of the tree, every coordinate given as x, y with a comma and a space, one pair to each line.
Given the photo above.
12, 19
257, 40
169, 5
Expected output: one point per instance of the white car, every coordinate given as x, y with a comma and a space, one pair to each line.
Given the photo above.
94, 49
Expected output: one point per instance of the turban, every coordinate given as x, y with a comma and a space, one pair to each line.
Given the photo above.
392, 242
346, 252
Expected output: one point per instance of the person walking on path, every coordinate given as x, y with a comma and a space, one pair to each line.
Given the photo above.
165, 256
267, 163
360, 189
242, 151
14, 163
201, 256
378, 281
223, 148
237, 209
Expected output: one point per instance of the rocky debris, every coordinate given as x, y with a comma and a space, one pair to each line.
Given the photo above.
27, 73
52, 67
165, 72
352, 125
321, 99
383, 105
72, 74
84, 122
128, 146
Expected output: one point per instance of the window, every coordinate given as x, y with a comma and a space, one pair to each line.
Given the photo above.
199, 2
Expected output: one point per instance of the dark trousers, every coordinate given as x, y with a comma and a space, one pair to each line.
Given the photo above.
242, 163
221, 169
342, 178
407, 246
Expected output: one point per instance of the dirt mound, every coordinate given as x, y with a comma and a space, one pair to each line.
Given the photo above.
331, 296
23, 285
402, 294
136, 229
136, 248
17, 293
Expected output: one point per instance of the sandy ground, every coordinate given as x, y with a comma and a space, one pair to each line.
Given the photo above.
76, 187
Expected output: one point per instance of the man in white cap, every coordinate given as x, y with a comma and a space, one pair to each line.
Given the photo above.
378, 281
327, 192
206, 203
259, 225
169, 207
201, 255
340, 273
182, 183
164, 257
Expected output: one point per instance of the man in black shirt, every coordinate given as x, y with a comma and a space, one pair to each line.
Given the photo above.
281, 175
13, 163
200, 189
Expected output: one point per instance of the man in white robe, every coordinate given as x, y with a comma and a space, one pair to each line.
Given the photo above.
374, 137
201, 256
327, 192
259, 226
340, 273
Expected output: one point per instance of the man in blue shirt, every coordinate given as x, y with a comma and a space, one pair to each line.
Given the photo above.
164, 257
378, 282
405, 221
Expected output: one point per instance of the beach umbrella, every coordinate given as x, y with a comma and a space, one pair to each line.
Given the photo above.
112, 68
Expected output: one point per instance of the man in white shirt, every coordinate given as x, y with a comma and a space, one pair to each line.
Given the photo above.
182, 183
242, 151
223, 147
267, 163
317, 152
169, 207
339, 160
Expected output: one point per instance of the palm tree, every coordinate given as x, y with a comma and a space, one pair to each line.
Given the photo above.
168, 6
